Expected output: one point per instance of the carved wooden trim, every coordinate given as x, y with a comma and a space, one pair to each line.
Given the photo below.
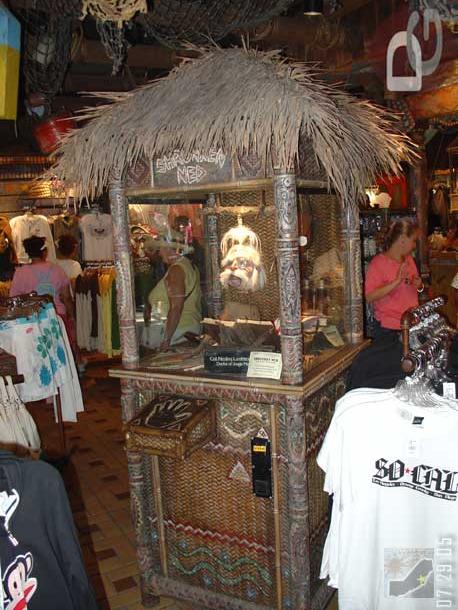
353, 280
124, 273
297, 501
289, 278
214, 291
141, 517
418, 182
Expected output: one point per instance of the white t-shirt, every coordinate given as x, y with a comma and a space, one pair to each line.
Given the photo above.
30, 225
97, 232
72, 268
393, 540
455, 281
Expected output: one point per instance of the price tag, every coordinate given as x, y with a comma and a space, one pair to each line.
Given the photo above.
267, 365
449, 389
413, 447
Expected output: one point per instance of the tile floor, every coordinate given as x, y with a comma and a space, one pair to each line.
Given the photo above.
97, 485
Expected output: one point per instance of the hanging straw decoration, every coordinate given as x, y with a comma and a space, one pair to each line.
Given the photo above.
247, 102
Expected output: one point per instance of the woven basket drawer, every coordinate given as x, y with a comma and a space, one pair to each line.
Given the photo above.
172, 426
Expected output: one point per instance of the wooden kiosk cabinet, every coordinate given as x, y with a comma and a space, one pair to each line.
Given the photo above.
246, 135
203, 534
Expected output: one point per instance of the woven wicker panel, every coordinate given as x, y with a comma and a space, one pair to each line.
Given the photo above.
319, 410
326, 225
142, 442
210, 491
309, 166
237, 423
230, 568
326, 234
200, 432
267, 300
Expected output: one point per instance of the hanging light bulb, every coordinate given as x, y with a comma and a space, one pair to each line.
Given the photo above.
313, 7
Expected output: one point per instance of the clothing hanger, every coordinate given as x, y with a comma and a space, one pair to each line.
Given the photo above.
29, 209
418, 389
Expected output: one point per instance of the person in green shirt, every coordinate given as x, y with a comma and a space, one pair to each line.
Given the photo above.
175, 301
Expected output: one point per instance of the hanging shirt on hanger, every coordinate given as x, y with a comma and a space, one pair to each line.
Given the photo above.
97, 232
393, 470
30, 225
66, 224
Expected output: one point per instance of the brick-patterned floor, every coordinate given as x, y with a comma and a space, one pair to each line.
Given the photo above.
97, 485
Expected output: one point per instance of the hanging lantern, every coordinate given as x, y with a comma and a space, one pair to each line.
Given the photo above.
10, 44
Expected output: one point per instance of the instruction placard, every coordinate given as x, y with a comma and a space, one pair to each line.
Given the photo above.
267, 365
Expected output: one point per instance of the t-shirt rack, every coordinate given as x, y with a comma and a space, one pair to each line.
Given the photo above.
391, 464
97, 325
28, 225
92, 231
36, 336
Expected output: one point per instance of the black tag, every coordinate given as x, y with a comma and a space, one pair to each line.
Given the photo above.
261, 465
417, 421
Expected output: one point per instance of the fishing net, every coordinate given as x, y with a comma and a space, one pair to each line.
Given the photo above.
406, 121
117, 11
174, 22
114, 41
56, 8
110, 16
47, 26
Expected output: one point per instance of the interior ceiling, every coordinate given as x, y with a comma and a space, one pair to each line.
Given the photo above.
339, 42
91, 68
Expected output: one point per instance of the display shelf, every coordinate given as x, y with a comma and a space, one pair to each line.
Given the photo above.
252, 389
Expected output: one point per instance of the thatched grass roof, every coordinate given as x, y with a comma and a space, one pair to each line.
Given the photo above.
242, 100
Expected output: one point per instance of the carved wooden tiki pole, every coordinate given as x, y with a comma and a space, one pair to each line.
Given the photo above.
289, 278
137, 463
353, 281
124, 274
418, 176
214, 292
298, 503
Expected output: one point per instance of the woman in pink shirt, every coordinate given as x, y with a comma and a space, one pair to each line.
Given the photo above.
43, 278
392, 278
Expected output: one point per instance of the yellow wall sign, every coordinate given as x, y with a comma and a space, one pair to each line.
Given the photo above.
259, 448
10, 45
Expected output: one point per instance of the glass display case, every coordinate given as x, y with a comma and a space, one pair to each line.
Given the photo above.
190, 319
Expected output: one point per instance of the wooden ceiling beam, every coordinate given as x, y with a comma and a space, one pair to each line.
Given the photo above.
350, 6
75, 83
139, 56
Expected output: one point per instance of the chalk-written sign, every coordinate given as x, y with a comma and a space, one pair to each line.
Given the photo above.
198, 167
